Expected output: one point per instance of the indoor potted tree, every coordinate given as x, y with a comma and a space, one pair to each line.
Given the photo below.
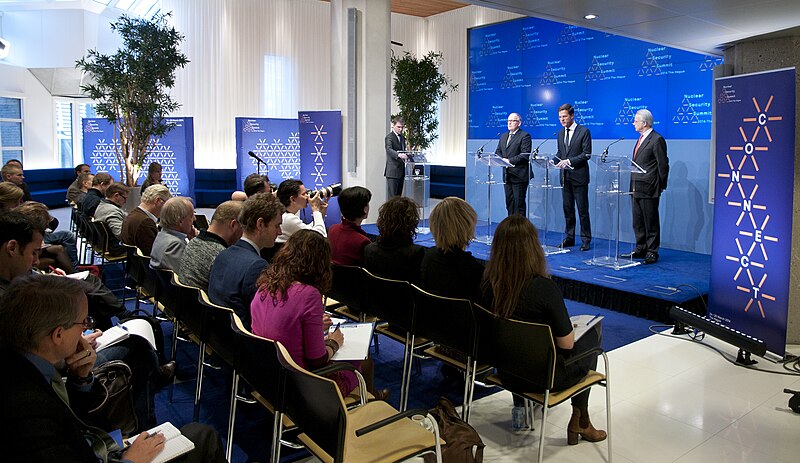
130, 87
418, 88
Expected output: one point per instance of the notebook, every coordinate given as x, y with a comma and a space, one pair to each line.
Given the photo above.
176, 444
357, 339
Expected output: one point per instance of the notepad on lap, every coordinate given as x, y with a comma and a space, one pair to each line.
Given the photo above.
111, 336
582, 323
357, 338
175, 445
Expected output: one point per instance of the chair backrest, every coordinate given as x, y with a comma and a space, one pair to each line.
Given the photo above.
444, 320
315, 405
348, 286
134, 268
103, 235
151, 283
256, 361
192, 312
168, 296
522, 350
389, 300
219, 335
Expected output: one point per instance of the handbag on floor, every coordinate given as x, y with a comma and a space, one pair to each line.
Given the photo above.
116, 409
463, 444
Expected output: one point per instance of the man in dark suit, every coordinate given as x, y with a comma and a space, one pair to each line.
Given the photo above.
44, 406
650, 153
574, 151
232, 282
515, 147
395, 166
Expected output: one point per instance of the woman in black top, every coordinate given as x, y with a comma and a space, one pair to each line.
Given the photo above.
516, 285
395, 255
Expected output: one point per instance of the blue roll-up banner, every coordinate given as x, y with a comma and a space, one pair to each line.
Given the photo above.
174, 151
752, 246
321, 153
275, 141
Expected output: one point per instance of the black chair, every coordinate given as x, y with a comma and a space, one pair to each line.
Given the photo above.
526, 352
373, 432
347, 288
190, 315
392, 301
450, 323
151, 282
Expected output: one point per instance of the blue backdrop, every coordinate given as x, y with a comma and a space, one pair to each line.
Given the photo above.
321, 153
531, 66
174, 151
275, 141
751, 256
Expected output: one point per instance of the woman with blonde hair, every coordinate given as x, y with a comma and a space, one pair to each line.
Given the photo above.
516, 285
448, 269
10, 196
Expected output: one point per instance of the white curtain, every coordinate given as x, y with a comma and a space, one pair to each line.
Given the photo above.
257, 58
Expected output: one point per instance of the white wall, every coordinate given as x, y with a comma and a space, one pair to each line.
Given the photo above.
37, 115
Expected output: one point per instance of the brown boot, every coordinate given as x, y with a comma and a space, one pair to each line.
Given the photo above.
579, 425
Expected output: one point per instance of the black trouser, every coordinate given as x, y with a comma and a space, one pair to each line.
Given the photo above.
646, 225
576, 195
394, 186
515, 198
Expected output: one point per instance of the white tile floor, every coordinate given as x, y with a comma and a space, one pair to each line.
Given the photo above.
672, 401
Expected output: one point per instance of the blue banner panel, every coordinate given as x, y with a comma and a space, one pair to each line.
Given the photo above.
275, 141
754, 178
531, 66
321, 153
174, 151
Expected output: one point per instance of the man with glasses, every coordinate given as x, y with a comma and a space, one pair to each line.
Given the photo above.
110, 212
395, 161
515, 147
139, 227
650, 153
42, 319
574, 151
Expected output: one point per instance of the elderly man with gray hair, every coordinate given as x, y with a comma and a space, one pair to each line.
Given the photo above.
139, 227
177, 216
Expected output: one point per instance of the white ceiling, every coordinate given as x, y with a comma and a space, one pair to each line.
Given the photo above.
699, 25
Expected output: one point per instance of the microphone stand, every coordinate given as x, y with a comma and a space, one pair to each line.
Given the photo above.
258, 164
605, 151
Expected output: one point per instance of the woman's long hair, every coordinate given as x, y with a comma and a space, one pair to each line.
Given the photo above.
515, 258
305, 258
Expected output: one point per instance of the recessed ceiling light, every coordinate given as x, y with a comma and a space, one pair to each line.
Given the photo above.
590, 16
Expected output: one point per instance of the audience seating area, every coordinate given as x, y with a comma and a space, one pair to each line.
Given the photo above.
214, 186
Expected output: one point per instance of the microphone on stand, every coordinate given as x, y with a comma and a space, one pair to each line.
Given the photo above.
480, 150
605, 151
536, 150
254, 156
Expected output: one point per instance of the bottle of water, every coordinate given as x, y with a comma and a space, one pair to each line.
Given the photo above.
519, 420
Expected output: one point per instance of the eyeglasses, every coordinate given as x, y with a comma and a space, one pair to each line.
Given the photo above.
87, 324
514, 120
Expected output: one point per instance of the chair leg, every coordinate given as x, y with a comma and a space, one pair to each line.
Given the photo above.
407, 373
468, 380
608, 406
544, 423
277, 433
198, 386
232, 416
403, 384
175, 329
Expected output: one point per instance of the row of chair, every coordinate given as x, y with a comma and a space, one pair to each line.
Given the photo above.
217, 329
523, 350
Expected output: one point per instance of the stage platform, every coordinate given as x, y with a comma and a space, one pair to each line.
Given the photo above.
678, 278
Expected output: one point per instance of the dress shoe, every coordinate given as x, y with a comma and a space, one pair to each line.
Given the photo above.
567, 244
585, 246
166, 373
635, 255
382, 394
651, 258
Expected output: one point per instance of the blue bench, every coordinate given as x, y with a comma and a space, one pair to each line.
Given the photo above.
49, 186
447, 181
214, 186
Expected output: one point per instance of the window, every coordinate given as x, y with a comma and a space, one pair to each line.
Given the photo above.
69, 131
10, 129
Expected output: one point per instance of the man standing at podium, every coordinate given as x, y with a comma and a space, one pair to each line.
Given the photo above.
574, 151
515, 148
650, 153
395, 166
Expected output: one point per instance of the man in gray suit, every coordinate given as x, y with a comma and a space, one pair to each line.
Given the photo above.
574, 151
176, 231
395, 166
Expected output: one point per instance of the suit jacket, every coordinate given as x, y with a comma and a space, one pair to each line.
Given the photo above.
112, 215
395, 167
578, 153
517, 152
90, 202
37, 425
652, 157
168, 250
232, 282
139, 230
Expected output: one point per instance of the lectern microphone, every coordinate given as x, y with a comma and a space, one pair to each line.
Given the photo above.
536, 151
605, 151
253, 155
480, 150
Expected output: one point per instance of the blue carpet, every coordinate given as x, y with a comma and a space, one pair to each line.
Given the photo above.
254, 424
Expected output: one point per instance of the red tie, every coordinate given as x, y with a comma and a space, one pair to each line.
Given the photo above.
637, 146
